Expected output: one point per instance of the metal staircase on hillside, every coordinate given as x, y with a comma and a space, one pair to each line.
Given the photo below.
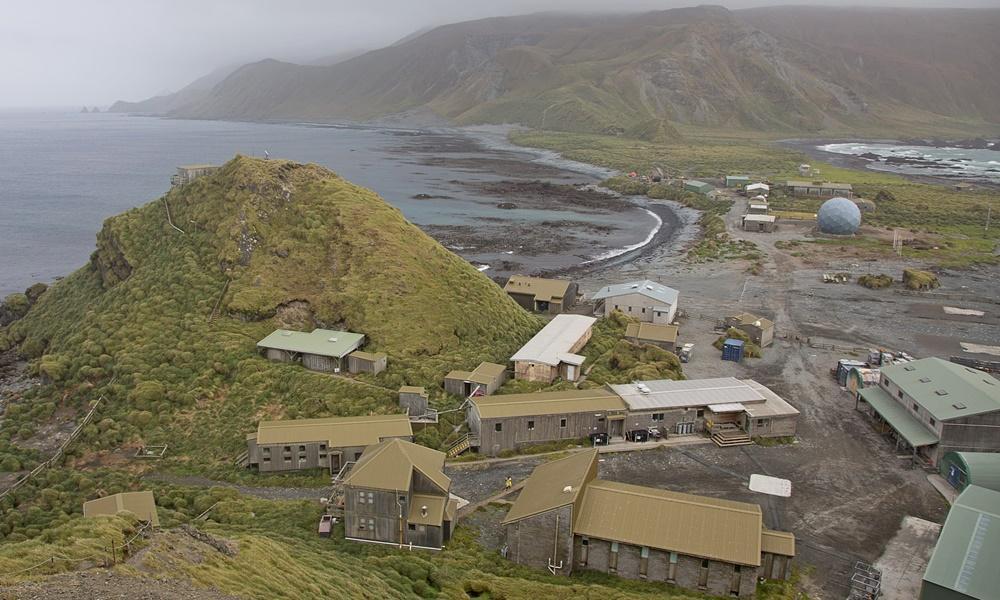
461, 445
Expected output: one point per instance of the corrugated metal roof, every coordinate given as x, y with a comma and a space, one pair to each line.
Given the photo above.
485, 373
773, 405
322, 342
435, 506
982, 468
965, 557
652, 331
389, 465
557, 337
758, 186
759, 218
546, 487
693, 525
924, 380
547, 403
650, 289
905, 424
142, 504
544, 290
727, 407
777, 542
667, 393
338, 432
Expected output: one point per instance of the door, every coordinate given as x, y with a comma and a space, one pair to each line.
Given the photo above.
615, 428
684, 428
955, 476
570, 373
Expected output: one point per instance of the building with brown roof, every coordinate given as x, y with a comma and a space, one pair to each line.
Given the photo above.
414, 399
294, 444
141, 504
483, 380
566, 518
536, 294
507, 421
760, 330
360, 361
397, 493
657, 334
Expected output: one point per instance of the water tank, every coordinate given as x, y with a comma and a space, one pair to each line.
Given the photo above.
839, 216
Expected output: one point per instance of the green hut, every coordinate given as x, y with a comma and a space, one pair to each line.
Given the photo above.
962, 469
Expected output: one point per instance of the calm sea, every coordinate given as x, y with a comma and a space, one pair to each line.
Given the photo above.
63, 173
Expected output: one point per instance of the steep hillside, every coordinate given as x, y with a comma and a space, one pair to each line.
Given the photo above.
784, 69
300, 247
194, 92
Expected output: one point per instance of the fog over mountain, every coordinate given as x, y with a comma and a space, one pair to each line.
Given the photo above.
62, 52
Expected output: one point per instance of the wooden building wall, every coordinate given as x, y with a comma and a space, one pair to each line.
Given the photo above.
640, 307
515, 431
415, 404
539, 539
376, 517
315, 362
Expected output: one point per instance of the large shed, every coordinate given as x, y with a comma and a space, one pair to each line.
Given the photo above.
698, 187
964, 563
760, 330
552, 352
963, 469
820, 189
318, 350
367, 362
664, 336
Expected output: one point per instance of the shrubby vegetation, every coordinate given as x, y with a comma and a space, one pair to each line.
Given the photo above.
915, 279
750, 349
875, 282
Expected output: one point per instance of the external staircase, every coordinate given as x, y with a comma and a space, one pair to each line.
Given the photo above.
461, 445
728, 435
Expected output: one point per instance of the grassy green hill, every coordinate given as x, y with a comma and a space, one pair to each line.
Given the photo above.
792, 69
300, 247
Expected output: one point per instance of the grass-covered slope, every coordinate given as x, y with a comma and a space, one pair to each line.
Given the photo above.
300, 247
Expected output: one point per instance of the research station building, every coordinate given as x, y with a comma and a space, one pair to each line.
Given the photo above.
330, 443
507, 421
932, 406
760, 330
964, 563
664, 336
643, 300
566, 518
732, 411
397, 493
962, 469
551, 353
319, 350
552, 296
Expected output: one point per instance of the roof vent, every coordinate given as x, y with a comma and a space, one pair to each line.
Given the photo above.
642, 387
941, 392
909, 368
286, 333
333, 339
988, 382
925, 380
649, 287
634, 286
423, 511
958, 406
567, 489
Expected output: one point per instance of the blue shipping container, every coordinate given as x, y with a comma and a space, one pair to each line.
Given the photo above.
732, 350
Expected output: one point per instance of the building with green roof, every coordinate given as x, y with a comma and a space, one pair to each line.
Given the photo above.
319, 350
962, 469
932, 406
964, 563
699, 187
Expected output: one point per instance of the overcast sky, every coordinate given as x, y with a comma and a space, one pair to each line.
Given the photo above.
71, 53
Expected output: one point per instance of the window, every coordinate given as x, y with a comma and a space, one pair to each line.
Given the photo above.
266, 451
402, 499
899, 393
613, 559
322, 446
701, 413
267, 459
562, 423
412, 526
932, 422
760, 422
657, 416
531, 425
616, 307
630, 309
643, 561
302, 448
498, 427
371, 497
644, 310
672, 569
288, 448
361, 497
916, 407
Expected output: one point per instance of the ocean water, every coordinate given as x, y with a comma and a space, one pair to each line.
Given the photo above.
957, 163
63, 173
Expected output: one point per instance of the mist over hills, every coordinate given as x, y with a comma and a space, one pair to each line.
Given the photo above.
770, 69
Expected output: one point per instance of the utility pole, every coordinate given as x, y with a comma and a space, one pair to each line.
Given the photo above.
989, 209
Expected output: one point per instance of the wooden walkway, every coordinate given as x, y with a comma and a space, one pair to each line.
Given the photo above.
499, 496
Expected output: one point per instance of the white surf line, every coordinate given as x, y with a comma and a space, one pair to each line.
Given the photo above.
613, 253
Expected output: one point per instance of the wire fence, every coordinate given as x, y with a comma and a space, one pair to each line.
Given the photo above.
58, 453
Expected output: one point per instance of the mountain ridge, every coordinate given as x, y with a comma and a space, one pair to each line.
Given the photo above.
774, 69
